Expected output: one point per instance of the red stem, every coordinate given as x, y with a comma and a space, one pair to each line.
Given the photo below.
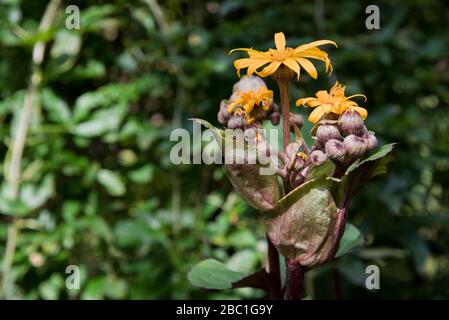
274, 271
285, 107
295, 273
295, 281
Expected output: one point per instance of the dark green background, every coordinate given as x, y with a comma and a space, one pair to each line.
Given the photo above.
98, 189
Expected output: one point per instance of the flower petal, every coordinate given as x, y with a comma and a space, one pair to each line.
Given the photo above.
362, 111
293, 65
256, 64
315, 53
231, 107
327, 108
308, 66
279, 41
303, 101
314, 44
270, 69
356, 95
316, 115
240, 49
252, 53
242, 63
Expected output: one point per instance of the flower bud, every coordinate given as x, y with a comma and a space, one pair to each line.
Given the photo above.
370, 141
275, 117
297, 120
326, 132
236, 122
318, 157
355, 146
292, 149
294, 160
298, 180
223, 114
351, 123
247, 83
335, 149
299, 163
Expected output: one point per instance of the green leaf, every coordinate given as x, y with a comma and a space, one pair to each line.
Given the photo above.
112, 182
142, 175
325, 170
218, 133
380, 153
212, 274
362, 170
102, 121
352, 238
65, 48
57, 109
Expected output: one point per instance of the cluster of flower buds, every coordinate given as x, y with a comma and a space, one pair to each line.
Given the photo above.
344, 140
251, 102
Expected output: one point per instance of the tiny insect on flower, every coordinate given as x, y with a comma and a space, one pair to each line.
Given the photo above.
292, 58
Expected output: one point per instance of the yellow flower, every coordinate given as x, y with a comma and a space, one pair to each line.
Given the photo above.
292, 58
334, 102
245, 101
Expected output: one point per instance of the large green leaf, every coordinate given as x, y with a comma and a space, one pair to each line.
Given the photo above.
212, 274
380, 153
324, 170
364, 169
351, 239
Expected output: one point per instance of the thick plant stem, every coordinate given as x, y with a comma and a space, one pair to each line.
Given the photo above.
295, 273
295, 281
285, 107
274, 271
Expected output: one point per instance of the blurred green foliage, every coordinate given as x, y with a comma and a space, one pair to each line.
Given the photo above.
98, 189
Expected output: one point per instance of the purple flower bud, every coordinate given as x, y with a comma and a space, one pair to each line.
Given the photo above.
326, 132
355, 146
298, 180
297, 120
299, 163
236, 122
370, 141
275, 117
223, 114
318, 157
247, 83
335, 149
351, 123
292, 149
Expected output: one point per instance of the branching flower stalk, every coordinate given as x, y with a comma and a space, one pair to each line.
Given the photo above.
304, 218
284, 63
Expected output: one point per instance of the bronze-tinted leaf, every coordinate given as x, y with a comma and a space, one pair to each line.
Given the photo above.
303, 223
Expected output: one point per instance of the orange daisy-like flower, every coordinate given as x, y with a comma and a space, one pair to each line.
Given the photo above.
332, 102
247, 100
292, 58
